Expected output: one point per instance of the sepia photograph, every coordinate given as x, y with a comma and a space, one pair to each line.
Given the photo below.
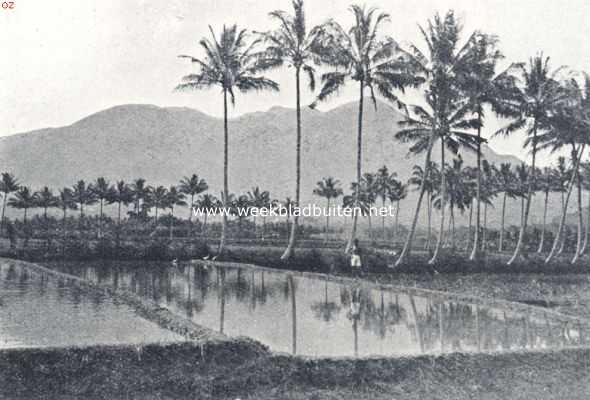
294, 199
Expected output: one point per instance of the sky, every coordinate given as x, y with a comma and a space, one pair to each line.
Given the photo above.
64, 60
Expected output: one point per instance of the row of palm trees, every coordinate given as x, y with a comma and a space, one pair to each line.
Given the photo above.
458, 76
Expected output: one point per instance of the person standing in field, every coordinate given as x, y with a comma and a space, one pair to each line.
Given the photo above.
355, 258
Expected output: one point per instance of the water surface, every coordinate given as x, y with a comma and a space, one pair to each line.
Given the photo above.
317, 317
39, 311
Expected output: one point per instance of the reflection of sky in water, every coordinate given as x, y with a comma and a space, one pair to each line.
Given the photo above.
319, 318
39, 311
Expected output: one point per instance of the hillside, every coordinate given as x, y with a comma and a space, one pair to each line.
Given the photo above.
164, 144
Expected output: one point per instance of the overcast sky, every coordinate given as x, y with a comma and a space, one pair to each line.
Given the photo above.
63, 60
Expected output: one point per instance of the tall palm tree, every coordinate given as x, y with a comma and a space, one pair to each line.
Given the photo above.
431, 178
567, 126
158, 199
292, 44
547, 181
140, 191
206, 203
383, 186
46, 200
230, 63
505, 179
174, 198
371, 60
24, 200
329, 188
84, 196
585, 167
369, 187
8, 184
121, 194
66, 201
449, 114
397, 192
539, 95
484, 86
102, 190
259, 199
489, 190
192, 187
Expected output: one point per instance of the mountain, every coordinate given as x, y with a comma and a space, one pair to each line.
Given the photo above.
164, 144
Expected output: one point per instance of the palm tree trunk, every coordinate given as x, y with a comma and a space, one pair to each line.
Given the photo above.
408, 245
293, 236
171, 223
327, 222
100, 221
293, 315
501, 244
3, 210
429, 210
557, 239
580, 221
542, 241
469, 225
25, 229
383, 220
520, 244
396, 226
485, 228
190, 216
225, 175
443, 191
473, 255
359, 142
587, 232
119, 223
453, 228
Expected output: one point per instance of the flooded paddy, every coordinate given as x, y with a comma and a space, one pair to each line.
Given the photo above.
318, 317
41, 311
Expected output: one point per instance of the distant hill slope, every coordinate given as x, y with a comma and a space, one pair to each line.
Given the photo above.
164, 144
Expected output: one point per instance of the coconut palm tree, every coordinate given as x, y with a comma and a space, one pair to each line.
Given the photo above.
230, 63
66, 201
192, 186
296, 46
383, 186
328, 188
206, 203
24, 200
539, 94
431, 178
174, 198
259, 199
397, 192
369, 186
120, 194
140, 191
8, 184
585, 170
448, 113
484, 86
505, 179
489, 190
547, 181
84, 196
158, 199
102, 190
373, 61
566, 126
46, 200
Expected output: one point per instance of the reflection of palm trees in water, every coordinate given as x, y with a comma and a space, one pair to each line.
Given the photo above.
221, 280
325, 310
291, 283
